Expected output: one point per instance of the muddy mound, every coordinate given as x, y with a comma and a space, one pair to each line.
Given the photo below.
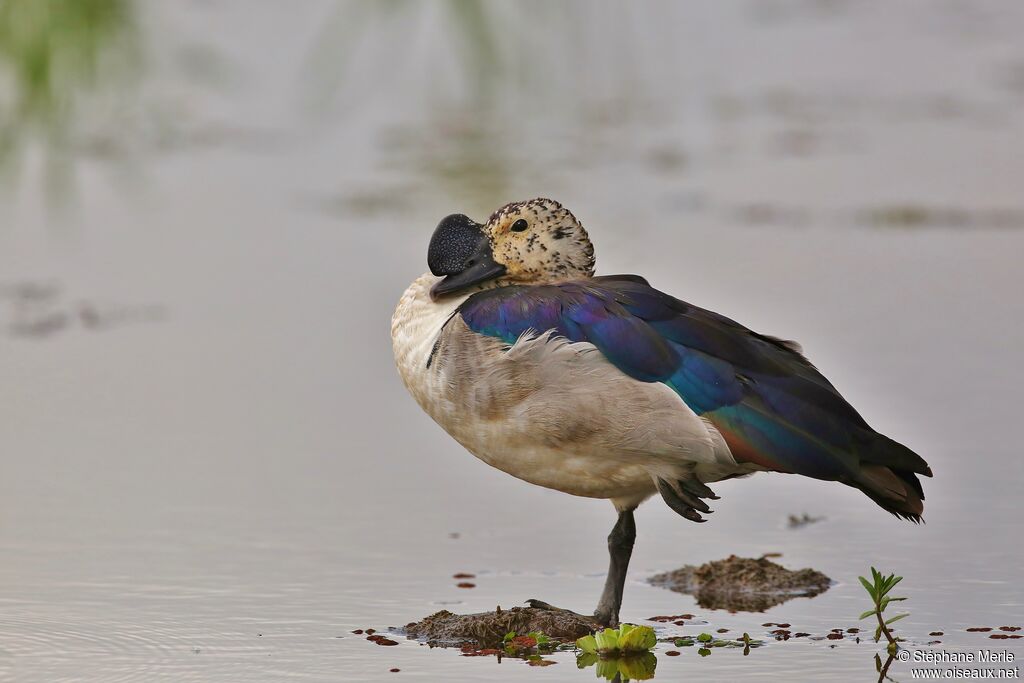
742, 584
487, 629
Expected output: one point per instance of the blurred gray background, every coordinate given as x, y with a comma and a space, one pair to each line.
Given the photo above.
208, 210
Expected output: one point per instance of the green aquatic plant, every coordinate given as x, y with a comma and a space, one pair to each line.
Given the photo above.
707, 641
625, 639
517, 644
878, 588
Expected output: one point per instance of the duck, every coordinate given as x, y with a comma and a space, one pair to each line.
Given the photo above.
602, 386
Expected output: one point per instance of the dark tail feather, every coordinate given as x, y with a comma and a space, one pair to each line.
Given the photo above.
881, 450
888, 476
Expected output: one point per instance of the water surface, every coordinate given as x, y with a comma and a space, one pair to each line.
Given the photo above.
210, 468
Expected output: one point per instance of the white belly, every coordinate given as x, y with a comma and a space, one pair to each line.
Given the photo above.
548, 412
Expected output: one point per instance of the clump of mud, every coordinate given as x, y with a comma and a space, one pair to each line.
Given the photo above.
742, 584
487, 629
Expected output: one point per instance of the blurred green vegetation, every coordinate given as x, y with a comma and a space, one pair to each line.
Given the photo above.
53, 55
465, 142
471, 26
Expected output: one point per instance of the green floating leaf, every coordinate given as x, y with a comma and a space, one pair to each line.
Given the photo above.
703, 652
705, 637
607, 640
588, 644
628, 638
636, 638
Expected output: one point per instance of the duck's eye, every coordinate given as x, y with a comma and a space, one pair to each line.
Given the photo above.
520, 225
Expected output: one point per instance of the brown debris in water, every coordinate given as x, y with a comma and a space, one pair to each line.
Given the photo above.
487, 629
742, 584
540, 661
381, 640
677, 619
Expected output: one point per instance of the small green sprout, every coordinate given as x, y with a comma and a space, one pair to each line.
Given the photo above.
878, 588
705, 637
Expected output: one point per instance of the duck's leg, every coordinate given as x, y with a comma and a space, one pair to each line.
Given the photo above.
620, 548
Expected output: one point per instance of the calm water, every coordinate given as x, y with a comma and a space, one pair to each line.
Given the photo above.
210, 469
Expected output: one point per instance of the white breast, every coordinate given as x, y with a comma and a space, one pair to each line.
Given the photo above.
415, 327
553, 413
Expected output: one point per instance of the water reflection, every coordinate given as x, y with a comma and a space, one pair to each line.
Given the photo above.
55, 55
497, 100
636, 667
40, 309
883, 667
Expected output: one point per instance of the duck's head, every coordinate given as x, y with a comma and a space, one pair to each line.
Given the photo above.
531, 242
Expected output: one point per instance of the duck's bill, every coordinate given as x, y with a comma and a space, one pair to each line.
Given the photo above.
461, 251
481, 269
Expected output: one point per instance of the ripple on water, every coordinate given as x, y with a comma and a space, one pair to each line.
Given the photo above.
128, 650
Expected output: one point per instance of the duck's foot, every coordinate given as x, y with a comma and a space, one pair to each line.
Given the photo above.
595, 619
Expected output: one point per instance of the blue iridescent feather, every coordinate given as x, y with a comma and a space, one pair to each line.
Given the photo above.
772, 405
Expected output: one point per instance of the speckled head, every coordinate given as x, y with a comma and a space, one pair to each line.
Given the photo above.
540, 241
531, 242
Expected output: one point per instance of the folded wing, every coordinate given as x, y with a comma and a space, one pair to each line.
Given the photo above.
771, 405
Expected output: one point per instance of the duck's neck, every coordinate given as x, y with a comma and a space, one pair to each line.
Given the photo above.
417, 321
